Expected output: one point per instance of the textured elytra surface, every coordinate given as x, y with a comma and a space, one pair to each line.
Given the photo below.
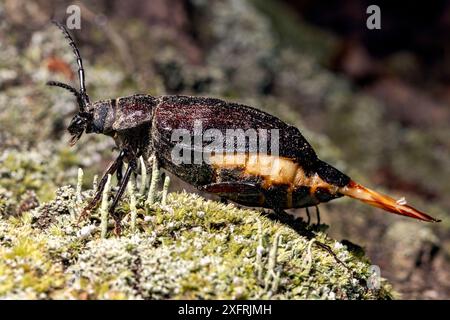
194, 116
181, 112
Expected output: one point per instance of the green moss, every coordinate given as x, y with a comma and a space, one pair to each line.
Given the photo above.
26, 171
25, 269
190, 248
7, 204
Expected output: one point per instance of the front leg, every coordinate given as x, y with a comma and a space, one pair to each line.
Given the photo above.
101, 186
119, 172
132, 164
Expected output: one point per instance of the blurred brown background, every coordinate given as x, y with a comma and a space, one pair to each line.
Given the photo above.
375, 103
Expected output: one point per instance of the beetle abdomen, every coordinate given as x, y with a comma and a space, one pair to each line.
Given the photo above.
272, 169
284, 181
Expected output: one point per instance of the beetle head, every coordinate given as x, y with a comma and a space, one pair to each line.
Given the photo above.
78, 125
82, 120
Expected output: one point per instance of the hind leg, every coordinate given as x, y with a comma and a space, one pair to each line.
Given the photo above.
308, 216
318, 215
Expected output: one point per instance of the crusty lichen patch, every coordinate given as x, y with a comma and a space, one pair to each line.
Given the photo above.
190, 248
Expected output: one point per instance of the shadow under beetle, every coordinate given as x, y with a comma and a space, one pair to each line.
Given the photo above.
142, 125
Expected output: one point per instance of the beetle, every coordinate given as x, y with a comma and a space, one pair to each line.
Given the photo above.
143, 125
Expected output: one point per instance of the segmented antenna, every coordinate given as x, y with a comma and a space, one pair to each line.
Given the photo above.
65, 86
81, 75
71, 89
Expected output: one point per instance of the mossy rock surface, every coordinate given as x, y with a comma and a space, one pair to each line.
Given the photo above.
190, 248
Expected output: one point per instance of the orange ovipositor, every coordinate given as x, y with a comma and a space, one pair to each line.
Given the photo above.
376, 199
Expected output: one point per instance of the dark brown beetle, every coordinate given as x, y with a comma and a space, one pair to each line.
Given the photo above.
142, 125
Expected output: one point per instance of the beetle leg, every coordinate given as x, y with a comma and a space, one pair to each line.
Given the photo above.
98, 194
318, 215
118, 195
119, 174
222, 188
280, 212
308, 215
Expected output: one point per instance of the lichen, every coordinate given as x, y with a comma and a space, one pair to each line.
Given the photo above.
188, 248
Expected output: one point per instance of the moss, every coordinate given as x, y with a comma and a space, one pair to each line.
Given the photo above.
189, 248
7, 205
26, 171
25, 269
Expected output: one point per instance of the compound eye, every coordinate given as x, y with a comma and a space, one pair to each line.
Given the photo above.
76, 125
78, 122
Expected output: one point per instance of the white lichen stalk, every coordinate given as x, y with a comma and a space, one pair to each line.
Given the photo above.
272, 278
95, 183
308, 260
153, 183
133, 209
78, 196
143, 176
104, 208
165, 191
259, 253
79, 185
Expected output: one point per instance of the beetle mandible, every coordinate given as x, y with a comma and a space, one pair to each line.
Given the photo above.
142, 125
